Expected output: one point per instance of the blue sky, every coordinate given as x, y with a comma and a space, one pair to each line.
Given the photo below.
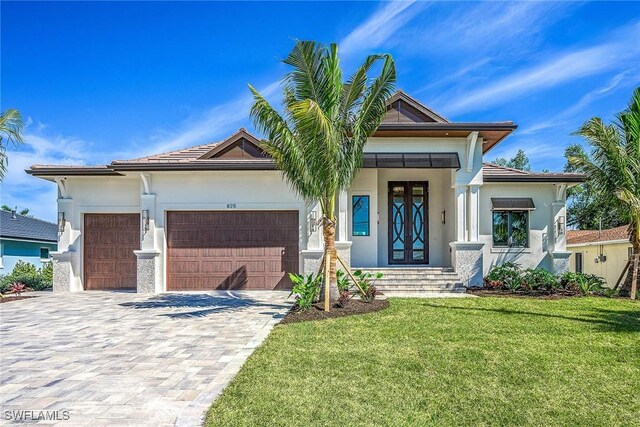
99, 81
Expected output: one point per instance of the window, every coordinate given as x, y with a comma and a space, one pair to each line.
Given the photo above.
360, 215
579, 267
44, 253
511, 229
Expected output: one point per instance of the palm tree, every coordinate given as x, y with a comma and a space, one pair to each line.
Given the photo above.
318, 139
614, 171
10, 133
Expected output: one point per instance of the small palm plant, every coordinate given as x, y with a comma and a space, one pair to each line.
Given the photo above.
10, 133
614, 170
318, 139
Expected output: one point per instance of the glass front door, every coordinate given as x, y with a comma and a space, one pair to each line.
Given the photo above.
408, 223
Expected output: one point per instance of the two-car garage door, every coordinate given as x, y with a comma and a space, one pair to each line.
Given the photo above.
231, 249
206, 250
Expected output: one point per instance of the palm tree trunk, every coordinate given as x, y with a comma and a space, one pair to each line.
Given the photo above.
633, 274
329, 232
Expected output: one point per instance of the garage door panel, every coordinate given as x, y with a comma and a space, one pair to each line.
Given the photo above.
109, 242
216, 266
233, 250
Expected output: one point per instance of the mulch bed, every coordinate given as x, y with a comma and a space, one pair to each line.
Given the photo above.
9, 299
317, 312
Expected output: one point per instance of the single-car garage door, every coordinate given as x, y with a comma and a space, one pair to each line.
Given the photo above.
231, 249
109, 242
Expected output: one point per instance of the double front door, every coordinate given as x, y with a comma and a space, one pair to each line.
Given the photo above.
408, 222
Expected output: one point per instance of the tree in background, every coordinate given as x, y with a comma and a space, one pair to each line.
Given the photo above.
586, 208
11, 126
317, 141
613, 171
23, 212
520, 162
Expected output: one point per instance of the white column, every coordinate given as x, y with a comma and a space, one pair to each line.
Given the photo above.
474, 211
461, 213
342, 217
148, 268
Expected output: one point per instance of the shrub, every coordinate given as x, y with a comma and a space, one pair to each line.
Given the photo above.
345, 297
366, 281
306, 289
27, 274
16, 288
46, 272
583, 283
504, 276
343, 281
539, 278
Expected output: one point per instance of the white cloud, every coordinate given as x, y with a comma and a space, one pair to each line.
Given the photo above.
24, 191
624, 79
222, 119
384, 23
555, 71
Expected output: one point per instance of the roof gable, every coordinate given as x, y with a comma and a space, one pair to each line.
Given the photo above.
239, 146
401, 108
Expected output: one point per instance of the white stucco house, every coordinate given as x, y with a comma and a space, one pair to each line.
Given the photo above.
219, 215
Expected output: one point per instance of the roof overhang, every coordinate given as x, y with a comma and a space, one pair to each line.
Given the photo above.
604, 242
52, 171
491, 133
536, 178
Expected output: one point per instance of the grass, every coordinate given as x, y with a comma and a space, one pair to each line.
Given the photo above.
447, 362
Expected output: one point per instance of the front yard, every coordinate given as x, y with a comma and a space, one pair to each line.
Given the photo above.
476, 361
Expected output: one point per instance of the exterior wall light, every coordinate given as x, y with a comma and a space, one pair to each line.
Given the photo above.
313, 221
561, 226
61, 222
443, 216
145, 220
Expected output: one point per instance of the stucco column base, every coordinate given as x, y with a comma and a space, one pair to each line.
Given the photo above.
344, 252
148, 271
468, 262
560, 261
311, 260
62, 272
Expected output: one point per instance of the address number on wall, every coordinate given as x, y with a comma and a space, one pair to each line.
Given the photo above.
231, 205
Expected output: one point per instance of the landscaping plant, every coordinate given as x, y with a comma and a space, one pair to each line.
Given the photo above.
11, 126
366, 281
29, 275
17, 288
318, 139
305, 289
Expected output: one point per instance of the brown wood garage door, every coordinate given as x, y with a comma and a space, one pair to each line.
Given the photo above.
109, 242
231, 250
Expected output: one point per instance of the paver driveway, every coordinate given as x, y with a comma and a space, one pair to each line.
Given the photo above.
126, 359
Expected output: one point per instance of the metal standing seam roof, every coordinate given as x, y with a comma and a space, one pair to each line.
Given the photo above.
27, 228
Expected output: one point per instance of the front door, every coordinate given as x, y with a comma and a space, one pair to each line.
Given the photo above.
408, 223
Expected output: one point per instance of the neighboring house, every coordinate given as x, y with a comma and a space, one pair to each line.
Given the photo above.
601, 252
220, 215
25, 238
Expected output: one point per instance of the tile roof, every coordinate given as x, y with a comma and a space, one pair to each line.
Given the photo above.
494, 173
575, 237
24, 227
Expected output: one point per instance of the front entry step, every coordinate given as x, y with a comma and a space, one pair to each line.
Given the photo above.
416, 281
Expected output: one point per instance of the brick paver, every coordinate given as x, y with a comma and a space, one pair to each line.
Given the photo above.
127, 359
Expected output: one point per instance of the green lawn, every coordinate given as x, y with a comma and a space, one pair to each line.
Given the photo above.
447, 362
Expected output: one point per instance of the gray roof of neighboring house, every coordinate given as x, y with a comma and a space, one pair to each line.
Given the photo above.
24, 227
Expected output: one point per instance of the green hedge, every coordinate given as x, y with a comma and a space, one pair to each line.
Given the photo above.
37, 279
